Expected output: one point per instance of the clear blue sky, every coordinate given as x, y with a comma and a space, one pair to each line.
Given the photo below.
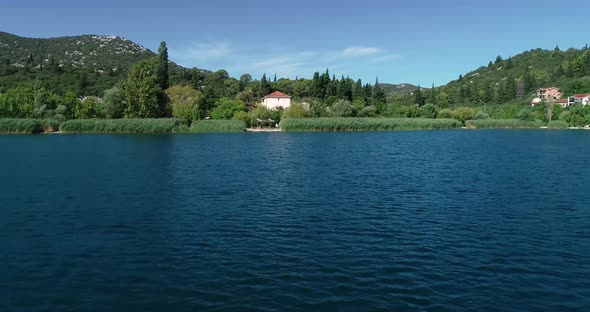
416, 41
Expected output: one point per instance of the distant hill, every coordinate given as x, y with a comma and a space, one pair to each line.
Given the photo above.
85, 65
402, 88
87, 51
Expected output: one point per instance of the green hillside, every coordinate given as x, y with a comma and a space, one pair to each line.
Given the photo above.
515, 79
83, 65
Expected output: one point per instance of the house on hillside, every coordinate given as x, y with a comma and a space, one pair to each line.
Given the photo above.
548, 94
583, 99
561, 102
276, 99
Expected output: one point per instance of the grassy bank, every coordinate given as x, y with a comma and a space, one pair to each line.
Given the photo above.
558, 124
501, 124
159, 125
20, 126
367, 124
218, 126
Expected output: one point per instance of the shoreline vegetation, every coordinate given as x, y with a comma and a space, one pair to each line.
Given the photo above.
325, 124
366, 124
154, 96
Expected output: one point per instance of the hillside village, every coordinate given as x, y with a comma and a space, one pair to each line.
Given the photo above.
553, 95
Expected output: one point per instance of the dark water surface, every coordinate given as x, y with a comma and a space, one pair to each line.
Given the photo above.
414, 220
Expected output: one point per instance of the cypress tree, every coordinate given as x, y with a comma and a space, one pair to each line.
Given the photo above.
432, 98
509, 64
378, 95
316, 88
418, 98
498, 59
265, 87
163, 75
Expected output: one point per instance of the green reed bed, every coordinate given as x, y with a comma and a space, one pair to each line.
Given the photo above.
501, 124
20, 126
367, 124
218, 126
154, 125
558, 124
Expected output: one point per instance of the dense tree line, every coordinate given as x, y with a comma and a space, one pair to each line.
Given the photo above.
154, 88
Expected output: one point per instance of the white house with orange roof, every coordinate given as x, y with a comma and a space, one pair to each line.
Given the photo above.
276, 99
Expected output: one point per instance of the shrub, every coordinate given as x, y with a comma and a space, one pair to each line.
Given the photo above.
481, 115
147, 125
342, 108
463, 114
218, 126
242, 116
226, 108
185, 102
567, 117
557, 124
366, 124
50, 125
445, 113
367, 111
114, 103
20, 126
525, 114
428, 111
296, 110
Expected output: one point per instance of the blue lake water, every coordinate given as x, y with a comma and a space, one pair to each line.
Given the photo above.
411, 220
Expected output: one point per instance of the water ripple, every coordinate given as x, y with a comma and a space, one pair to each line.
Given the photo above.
433, 220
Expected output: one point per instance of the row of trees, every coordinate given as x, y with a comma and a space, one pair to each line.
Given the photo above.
154, 88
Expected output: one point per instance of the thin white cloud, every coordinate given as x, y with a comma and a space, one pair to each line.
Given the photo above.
288, 65
360, 51
384, 58
285, 63
202, 52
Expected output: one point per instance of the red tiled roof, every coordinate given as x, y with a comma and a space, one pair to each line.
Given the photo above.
277, 94
581, 96
561, 101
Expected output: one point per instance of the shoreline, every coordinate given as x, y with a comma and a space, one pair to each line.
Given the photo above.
255, 130
326, 124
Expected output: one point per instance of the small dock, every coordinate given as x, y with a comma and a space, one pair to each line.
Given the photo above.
263, 129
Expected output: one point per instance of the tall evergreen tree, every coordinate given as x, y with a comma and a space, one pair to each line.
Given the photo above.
498, 59
163, 73
432, 97
570, 70
418, 97
528, 81
509, 64
265, 87
316, 86
378, 96
357, 90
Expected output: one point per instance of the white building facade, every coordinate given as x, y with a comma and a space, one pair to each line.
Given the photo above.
276, 99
